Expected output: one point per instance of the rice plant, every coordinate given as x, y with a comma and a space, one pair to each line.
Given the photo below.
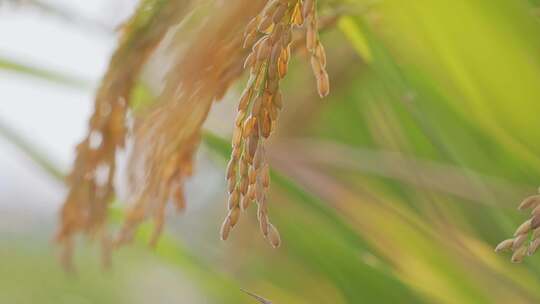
387, 140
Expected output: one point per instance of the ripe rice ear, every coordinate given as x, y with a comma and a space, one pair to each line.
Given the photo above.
199, 75
86, 206
529, 228
272, 52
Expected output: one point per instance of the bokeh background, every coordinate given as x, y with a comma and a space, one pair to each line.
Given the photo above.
394, 189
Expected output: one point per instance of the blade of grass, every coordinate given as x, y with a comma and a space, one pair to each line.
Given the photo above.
31, 151
45, 74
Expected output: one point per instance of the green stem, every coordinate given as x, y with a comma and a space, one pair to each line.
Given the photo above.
44, 74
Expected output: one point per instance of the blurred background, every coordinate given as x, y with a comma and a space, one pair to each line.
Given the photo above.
394, 189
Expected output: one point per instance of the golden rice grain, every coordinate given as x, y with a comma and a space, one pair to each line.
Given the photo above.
234, 199
234, 215
86, 205
504, 245
297, 18
323, 84
523, 228
519, 254
320, 54
518, 241
536, 233
249, 125
225, 229
252, 175
244, 185
265, 176
246, 201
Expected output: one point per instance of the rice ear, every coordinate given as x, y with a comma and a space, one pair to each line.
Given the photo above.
268, 62
83, 213
225, 229
521, 235
524, 228
518, 241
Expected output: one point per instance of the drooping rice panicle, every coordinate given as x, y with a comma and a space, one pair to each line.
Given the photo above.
168, 135
269, 35
90, 182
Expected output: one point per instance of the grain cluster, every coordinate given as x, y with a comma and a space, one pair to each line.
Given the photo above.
269, 37
163, 138
526, 239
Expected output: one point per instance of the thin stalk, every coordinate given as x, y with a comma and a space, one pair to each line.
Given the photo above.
31, 151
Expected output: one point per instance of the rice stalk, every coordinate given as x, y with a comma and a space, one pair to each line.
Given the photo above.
269, 36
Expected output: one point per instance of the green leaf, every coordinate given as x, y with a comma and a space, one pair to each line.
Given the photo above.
45, 74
